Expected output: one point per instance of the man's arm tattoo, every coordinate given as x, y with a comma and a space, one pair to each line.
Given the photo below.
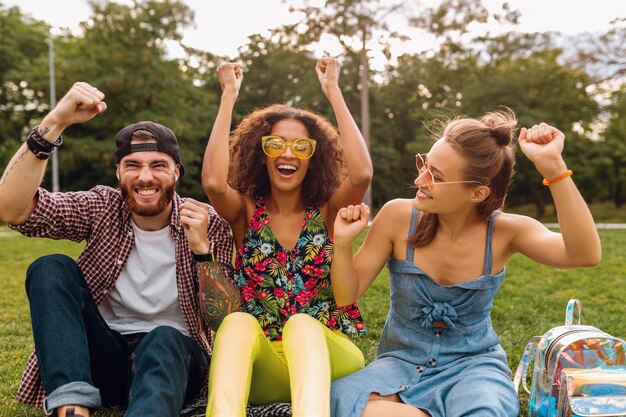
20, 155
218, 295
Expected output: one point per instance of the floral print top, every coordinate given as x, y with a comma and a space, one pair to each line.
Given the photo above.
277, 283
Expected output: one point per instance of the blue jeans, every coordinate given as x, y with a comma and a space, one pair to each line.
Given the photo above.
83, 362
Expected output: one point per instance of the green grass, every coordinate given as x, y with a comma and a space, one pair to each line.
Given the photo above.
602, 212
531, 300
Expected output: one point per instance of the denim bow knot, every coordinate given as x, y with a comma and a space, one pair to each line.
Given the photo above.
439, 311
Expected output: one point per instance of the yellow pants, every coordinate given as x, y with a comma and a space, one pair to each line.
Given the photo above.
246, 366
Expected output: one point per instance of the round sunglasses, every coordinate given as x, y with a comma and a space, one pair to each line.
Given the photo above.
422, 169
275, 146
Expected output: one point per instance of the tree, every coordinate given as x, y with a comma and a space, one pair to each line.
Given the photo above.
418, 90
123, 51
22, 46
278, 71
354, 24
519, 71
449, 20
614, 145
603, 55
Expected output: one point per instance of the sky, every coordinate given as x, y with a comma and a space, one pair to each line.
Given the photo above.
223, 26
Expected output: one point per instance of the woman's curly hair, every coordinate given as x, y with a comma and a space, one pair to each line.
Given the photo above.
248, 173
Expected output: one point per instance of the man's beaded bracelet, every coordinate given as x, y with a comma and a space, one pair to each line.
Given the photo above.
40, 146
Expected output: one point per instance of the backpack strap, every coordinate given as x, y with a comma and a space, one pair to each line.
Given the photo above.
569, 311
524, 363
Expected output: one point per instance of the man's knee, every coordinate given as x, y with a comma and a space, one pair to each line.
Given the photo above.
51, 271
164, 336
164, 346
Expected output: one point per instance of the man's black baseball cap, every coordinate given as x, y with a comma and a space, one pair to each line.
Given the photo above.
165, 142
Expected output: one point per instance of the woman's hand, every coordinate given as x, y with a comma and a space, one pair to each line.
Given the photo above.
350, 222
230, 76
328, 69
543, 146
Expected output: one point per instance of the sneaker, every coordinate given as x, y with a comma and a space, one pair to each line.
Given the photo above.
70, 413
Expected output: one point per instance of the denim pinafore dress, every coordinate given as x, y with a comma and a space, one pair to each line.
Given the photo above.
438, 350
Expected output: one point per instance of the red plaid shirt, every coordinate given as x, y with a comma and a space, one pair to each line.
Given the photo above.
100, 217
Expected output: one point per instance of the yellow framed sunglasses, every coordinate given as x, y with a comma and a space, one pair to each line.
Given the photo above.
274, 146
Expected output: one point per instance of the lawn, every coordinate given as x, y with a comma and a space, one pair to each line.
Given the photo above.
602, 212
531, 300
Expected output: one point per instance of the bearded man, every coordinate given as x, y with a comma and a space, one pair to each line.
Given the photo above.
128, 323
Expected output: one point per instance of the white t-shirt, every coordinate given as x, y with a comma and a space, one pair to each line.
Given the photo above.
145, 295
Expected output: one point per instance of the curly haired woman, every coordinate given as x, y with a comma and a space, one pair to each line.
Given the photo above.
290, 172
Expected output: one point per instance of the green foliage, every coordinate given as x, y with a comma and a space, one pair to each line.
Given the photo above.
613, 149
451, 17
17, 342
603, 54
422, 88
123, 51
604, 212
278, 70
539, 89
352, 23
417, 91
275, 71
23, 43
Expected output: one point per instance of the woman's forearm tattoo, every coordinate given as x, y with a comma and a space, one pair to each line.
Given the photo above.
218, 295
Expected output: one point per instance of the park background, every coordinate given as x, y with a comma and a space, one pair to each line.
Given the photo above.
572, 81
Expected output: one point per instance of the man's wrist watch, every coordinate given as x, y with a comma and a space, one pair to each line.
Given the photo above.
205, 257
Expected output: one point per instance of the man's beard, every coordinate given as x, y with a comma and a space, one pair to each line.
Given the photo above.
165, 198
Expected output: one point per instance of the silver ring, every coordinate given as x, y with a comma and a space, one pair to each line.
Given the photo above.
188, 212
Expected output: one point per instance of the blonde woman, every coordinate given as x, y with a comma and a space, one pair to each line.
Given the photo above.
446, 251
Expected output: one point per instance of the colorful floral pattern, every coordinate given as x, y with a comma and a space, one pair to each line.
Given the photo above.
276, 283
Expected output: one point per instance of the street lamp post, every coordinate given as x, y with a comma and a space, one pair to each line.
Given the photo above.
53, 103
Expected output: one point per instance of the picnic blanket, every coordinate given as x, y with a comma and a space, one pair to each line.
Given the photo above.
198, 409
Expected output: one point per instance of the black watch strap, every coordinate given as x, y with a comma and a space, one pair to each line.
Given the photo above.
205, 257
39, 151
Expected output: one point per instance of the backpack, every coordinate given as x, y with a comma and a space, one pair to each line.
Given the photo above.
558, 382
592, 392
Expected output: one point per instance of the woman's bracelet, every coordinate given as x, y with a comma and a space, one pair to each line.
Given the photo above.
551, 181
